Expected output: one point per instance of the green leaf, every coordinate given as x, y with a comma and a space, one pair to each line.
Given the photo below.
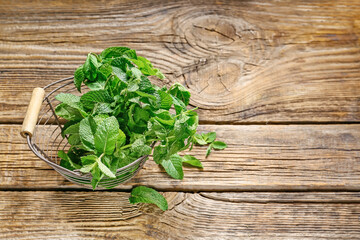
96, 176
121, 140
89, 159
146, 67
166, 100
145, 84
89, 99
79, 77
74, 139
87, 168
68, 98
143, 194
72, 129
146, 95
105, 169
160, 153
208, 150
133, 86
104, 72
113, 52
141, 115
106, 136
155, 127
191, 160
90, 67
178, 104
98, 85
101, 108
73, 101
139, 148
87, 131
219, 145
180, 92
69, 113
209, 137
136, 73
173, 166
65, 157
198, 139
123, 64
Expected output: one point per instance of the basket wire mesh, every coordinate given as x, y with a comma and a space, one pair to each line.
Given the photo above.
47, 140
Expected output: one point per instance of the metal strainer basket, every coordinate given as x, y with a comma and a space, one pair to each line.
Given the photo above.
42, 129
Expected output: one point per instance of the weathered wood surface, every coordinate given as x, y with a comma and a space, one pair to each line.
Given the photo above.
243, 61
108, 215
259, 157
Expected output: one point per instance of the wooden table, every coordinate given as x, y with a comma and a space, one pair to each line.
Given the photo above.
279, 81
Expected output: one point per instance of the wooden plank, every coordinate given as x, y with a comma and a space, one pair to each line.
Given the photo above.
284, 197
108, 215
259, 157
243, 61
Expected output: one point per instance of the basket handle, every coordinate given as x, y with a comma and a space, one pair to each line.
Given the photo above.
32, 112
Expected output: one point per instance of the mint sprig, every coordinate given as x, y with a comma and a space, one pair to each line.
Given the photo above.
116, 122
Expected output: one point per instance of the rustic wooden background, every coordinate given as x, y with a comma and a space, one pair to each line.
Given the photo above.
279, 81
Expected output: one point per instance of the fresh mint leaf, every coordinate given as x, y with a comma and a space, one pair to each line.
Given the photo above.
105, 169
160, 153
219, 145
79, 77
139, 148
208, 150
164, 117
180, 92
74, 128
166, 100
146, 95
121, 140
89, 99
100, 85
209, 137
106, 136
123, 64
178, 105
101, 108
143, 194
97, 175
69, 113
199, 139
88, 168
89, 159
65, 157
133, 86
173, 166
113, 52
146, 67
191, 160
104, 72
74, 139
73, 101
69, 99
90, 67
87, 131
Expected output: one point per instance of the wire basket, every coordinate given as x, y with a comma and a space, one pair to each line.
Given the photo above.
42, 129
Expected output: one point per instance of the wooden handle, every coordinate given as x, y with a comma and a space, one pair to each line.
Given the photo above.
32, 112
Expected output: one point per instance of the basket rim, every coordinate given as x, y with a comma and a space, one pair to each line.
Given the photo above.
39, 155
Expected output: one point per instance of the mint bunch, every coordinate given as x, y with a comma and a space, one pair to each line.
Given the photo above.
122, 115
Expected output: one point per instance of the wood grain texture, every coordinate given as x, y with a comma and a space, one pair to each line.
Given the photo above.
243, 61
258, 157
108, 215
